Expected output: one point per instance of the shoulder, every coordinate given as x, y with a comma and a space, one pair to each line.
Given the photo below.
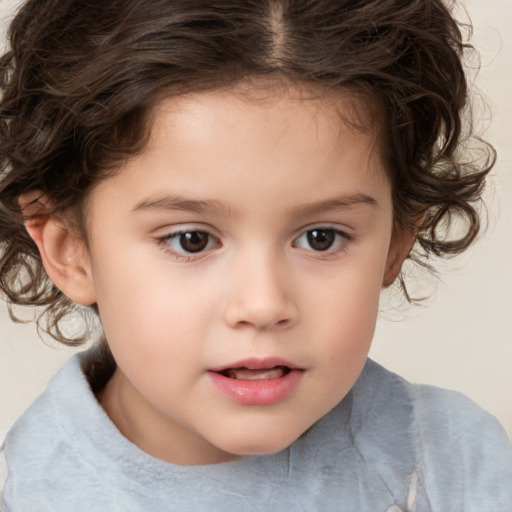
41, 449
467, 453
439, 410
447, 419
462, 452
434, 409
41, 425
3, 477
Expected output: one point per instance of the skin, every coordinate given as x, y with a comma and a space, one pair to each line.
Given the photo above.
255, 176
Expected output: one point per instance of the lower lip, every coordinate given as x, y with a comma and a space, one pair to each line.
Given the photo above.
257, 392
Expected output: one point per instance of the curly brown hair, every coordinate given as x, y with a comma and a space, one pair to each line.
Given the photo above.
80, 78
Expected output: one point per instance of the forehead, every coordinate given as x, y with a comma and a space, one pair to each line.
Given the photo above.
226, 144
347, 106
330, 115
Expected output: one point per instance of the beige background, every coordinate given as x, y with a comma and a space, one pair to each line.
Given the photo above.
461, 340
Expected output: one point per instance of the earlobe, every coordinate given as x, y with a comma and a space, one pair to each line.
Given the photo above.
62, 251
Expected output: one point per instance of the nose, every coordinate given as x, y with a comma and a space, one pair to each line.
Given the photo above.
261, 296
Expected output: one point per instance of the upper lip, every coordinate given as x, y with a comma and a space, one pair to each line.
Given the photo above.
254, 363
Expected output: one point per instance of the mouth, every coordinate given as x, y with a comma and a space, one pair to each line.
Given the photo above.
257, 369
244, 373
257, 381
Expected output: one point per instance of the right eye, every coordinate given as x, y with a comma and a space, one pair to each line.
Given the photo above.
188, 242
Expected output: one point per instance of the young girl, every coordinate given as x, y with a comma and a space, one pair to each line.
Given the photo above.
227, 186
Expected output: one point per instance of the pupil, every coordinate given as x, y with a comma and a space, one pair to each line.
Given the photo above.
321, 239
194, 241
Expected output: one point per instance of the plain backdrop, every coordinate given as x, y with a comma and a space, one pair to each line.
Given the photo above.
461, 339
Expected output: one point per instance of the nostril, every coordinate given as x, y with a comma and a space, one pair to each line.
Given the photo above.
261, 313
243, 323
263, 324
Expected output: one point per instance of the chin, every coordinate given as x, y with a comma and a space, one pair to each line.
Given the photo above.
246, 446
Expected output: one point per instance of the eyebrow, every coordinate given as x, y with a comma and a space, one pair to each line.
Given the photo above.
179, 203
336, 203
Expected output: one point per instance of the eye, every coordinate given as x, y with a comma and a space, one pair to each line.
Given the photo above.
189, 242
322, 239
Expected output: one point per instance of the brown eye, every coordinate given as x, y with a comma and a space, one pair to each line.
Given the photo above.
194, 241
321, 239
189, 244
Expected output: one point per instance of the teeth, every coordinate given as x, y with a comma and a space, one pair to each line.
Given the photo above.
264, 373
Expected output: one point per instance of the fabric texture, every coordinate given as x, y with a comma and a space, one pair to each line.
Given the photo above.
389, 446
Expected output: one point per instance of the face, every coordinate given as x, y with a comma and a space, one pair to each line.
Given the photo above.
237, 265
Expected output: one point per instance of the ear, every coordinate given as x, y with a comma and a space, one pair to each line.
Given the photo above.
399, 248
63, 251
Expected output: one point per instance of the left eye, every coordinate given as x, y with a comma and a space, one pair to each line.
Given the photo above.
190, 241
321, 239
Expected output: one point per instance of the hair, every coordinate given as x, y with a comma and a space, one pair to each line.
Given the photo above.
80, 78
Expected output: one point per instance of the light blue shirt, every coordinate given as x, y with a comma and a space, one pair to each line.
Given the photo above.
389, 446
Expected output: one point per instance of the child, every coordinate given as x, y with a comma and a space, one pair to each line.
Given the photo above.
228, 185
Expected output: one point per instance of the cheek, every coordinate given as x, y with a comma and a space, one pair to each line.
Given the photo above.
148, 312
346, 312
352, 293
341, 335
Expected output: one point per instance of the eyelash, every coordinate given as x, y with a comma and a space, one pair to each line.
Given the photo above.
183, 255
340, 241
